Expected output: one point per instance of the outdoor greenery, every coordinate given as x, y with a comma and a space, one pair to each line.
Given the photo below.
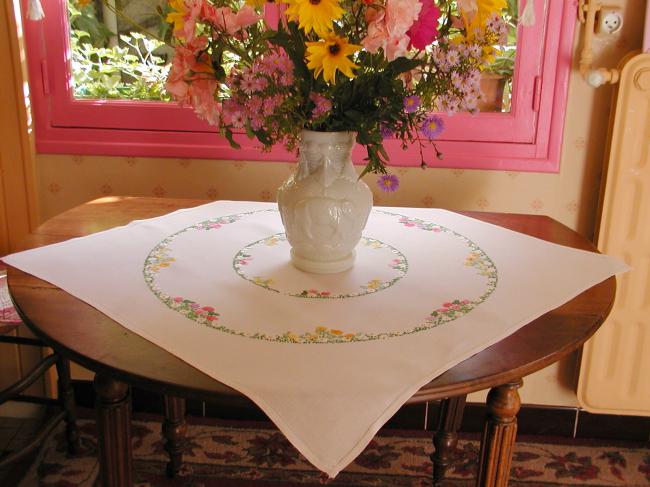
130, 70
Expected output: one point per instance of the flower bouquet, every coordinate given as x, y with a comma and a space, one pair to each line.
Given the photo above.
378, 68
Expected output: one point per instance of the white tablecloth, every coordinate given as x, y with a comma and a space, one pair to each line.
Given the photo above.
329, 358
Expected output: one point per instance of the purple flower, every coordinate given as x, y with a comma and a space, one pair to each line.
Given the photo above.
386, 132
432, 126
388, 182
411, 103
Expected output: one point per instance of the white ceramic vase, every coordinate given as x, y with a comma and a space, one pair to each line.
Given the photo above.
324, 206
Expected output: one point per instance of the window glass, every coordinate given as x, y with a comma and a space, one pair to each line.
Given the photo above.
497, 80
117, 51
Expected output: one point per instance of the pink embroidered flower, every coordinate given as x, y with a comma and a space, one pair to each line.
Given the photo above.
425, 29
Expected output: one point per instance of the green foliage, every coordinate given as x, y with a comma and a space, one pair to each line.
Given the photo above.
85, 20
504, 62
132, 71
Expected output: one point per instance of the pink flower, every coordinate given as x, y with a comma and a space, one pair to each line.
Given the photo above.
246, 16
387, 28
178, 299
425, 29
194, 8
400, 15
224, 19
203, 102
322, 105
207, 308
191, 82
396, 47
260, 84
211, 318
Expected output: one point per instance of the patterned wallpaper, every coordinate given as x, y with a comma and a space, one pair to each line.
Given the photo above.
570, 196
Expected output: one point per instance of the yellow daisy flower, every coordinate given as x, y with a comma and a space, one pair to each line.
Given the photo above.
316, 15
329, 55
177, 17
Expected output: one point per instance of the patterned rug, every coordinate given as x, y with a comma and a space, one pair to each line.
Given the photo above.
245, 454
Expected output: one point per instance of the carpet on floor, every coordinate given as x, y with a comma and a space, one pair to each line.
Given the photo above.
233, 454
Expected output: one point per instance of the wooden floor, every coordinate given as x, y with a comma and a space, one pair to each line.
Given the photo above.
14, 433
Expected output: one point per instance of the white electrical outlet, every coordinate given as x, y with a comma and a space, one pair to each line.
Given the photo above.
609, 21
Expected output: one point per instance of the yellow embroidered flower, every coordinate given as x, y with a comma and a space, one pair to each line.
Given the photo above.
177, 17
260, 281
331, 55
316, 15
374, 284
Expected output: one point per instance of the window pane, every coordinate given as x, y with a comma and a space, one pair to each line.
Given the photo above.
496, 82
116, 49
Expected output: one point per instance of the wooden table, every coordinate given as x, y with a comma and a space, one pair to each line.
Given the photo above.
121, 358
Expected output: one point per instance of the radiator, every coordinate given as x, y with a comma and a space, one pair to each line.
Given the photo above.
615, 369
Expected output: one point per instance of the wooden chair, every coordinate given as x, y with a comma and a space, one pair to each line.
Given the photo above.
9, 322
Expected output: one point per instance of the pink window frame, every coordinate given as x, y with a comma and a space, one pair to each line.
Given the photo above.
646, 32
526, 139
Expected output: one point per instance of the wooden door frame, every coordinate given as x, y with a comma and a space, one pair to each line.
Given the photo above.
18, 200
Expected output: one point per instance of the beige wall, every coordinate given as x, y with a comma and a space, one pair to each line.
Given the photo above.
569, 196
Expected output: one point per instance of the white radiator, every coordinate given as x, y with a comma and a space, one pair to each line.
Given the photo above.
615, 371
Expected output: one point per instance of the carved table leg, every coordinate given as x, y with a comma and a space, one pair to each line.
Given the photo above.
499, 435
445, 439
66, 396
174, 430
114, 432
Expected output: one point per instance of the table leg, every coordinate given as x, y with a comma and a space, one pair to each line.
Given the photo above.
174, 430
114, 432
66, 396
446, 438
498, 441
